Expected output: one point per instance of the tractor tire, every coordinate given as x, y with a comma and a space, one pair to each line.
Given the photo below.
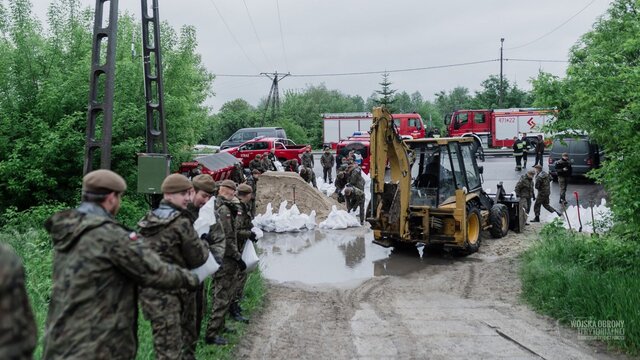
474, 227
499, 220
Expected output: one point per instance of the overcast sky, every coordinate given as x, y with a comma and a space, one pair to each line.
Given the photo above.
343, 36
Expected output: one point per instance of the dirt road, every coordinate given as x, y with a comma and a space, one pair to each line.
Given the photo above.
453, 308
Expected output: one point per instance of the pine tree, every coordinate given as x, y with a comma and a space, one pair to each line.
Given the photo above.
386, 94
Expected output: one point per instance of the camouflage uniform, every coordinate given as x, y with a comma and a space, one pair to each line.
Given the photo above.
290, 165
97, 267
564, 170
355, 199
267, 164
17, 326
201, 300
256, 164
327, 161
544, 191
524, 191
307, 159
224, 246
236, 174
169, 231
309, 176
244, 234
356, 179
341, 182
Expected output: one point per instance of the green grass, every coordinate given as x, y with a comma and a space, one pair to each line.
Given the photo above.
24, 232
572, 276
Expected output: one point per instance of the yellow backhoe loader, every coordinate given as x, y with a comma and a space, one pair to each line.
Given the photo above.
432, 193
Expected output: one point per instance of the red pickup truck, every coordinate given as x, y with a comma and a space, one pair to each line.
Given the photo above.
285, 149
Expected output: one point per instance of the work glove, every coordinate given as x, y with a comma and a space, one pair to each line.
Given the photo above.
253, 237
208, 268
241, 264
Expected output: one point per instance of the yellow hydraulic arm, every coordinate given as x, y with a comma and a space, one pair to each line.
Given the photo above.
387, 145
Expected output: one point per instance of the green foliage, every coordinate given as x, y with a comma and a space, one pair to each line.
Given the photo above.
43, 79
456, 99
489, 96
386, 98
601, 94
571, 276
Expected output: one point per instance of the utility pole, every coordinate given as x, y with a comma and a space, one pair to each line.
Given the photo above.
501, 87
274, 96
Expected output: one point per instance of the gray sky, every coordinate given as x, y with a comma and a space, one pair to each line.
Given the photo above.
332, 36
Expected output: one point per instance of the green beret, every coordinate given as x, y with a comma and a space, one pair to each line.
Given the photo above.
228, 183
103, 181
204, 182
175, 183
245, 189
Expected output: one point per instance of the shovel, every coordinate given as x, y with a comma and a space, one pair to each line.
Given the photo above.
564, 208
575, 193
593, 221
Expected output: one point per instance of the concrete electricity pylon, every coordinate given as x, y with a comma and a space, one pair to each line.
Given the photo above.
273, 99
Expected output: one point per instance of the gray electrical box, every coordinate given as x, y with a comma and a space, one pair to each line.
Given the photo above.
152, 170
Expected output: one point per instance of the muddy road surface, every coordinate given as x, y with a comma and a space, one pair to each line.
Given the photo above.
378, 304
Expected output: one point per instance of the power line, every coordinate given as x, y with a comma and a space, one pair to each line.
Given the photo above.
375, 72
232, 35
253, 26
554, 29
284, 52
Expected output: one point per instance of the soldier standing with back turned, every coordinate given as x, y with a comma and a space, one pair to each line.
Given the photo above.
98, 265
224, 246
169, 231
543, 185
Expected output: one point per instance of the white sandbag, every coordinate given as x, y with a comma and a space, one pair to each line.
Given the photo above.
259, 233
278, 165
339, 219
249, 256
206, 217
286, 220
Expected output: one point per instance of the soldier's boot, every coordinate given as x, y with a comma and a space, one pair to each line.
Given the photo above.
236, 313
536, 219
215, 340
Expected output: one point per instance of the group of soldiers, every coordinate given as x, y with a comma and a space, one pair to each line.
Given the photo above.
525, 187
102, 272
521, 147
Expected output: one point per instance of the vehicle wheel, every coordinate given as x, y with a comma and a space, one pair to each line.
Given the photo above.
499, 220
474, 227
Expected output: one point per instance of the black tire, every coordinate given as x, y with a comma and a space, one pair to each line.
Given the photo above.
474, 230
499, 220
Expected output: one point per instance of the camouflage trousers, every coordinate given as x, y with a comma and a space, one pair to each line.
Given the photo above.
326, 173
173, 322
562, 180
224, 290
542, 201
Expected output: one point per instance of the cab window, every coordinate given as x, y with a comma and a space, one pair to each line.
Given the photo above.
246, 147
462, 118
415, 123
249, 135
279, 145
479, 118
261, 145
396, 123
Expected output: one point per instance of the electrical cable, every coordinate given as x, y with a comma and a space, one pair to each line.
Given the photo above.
284, 52
554, 29
538, 60
255, 31
232, 35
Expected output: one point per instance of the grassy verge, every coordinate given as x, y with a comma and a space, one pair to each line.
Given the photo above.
574, 277
24, 232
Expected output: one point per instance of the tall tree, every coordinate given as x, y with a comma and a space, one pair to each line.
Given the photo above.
385, 94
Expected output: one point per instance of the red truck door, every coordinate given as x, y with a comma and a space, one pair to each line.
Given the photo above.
248, 151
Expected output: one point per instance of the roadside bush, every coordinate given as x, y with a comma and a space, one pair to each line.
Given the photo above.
572, 276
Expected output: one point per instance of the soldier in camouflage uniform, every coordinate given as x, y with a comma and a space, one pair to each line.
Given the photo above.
524, 190
328, 162
204, 188
308, 175
290, 165
98, 265
341, 182
355, 198
18, 332
267, 164
224, 245
256, 163
169, 231
543, 185
307, 158
355, 176
244, 234
237, 174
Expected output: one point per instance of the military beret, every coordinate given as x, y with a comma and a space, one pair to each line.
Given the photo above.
244, 188
204, 182
258, 156
175, 183
228, 183
538, 166
103, 181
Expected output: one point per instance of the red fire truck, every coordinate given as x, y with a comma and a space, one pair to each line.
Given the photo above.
339, 126
499, 127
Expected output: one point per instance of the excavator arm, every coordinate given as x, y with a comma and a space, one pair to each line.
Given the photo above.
390, 201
